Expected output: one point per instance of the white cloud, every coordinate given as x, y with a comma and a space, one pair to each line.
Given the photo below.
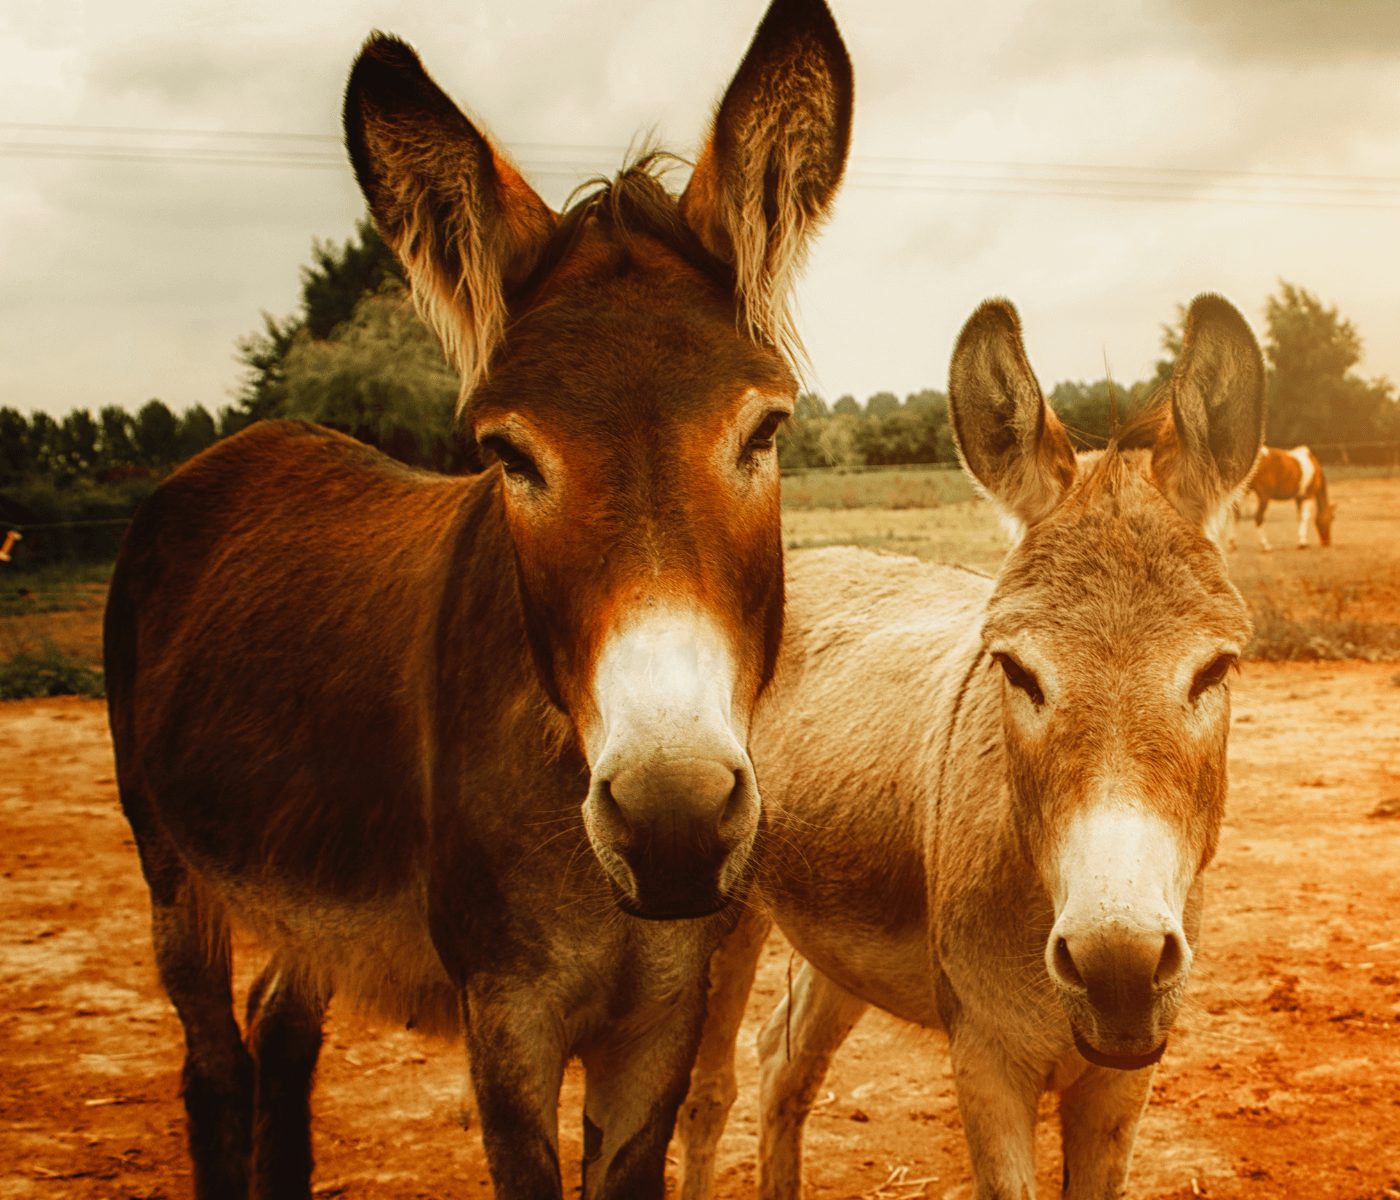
126, 280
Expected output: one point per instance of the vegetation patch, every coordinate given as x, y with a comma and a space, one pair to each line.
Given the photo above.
47, 671
1281, 637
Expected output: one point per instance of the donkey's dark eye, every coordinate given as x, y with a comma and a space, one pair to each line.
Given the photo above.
765, 435
1021, 679
1212, 675
514, 461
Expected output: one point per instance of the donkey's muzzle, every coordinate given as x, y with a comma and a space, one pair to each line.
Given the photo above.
1120, 987
677, 833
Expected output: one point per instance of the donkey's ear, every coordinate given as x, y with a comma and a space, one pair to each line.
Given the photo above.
1209, 447
1007, 437
774, 159
459, 216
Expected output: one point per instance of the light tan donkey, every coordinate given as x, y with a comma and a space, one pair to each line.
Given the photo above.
992, 801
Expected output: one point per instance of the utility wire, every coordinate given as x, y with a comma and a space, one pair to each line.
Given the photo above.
1136, 184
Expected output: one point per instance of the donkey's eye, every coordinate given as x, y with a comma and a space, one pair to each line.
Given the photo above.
1021, 679
763, 438
514, 461
1213, 675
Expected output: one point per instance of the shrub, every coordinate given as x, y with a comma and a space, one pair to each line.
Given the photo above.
47, 671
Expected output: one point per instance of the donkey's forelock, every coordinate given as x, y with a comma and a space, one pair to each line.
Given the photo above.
1116, 559
637, 203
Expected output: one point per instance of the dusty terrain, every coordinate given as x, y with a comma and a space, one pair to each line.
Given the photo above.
1283, 1081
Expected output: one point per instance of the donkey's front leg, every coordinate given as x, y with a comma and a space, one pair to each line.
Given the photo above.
635, 1082
515, 1045
713, 1085
997, 1098
1099, 1117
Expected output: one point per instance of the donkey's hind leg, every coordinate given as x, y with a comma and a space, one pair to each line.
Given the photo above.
192, 955
285, 1016
796, 1047
713, 1086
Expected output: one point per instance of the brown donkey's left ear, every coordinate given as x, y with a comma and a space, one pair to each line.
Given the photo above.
1210, 446
774, 159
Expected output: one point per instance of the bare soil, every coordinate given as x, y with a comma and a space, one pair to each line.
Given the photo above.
1283, 1079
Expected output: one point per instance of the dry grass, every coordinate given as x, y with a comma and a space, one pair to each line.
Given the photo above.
1339, 603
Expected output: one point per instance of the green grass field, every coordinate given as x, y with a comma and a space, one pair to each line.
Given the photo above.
1339, 603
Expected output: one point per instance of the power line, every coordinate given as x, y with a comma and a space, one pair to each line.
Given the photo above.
1134, 184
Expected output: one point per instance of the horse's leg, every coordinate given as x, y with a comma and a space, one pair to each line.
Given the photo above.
1259, 512
284, 1034
192, 956
997, 1099
634, 1086
713, 1086
1099, 1117
1305, 515
517, 1053
795, 1049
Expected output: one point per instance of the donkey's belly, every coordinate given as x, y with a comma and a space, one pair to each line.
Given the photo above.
376, 955
885, 967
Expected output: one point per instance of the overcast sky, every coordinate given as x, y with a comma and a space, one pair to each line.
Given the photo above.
1098, 163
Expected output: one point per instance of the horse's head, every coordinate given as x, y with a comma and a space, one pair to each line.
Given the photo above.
1115, 629
627, 363
1326, 513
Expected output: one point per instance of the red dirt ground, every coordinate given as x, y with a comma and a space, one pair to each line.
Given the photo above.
1282, 1081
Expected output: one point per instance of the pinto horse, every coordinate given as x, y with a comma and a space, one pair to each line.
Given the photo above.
464, 749
1290, 475
992, 801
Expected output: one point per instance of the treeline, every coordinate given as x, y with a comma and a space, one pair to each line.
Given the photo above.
69, 484
356, 357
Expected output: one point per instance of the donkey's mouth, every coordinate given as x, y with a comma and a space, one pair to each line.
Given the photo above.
1116, 1062
688, 910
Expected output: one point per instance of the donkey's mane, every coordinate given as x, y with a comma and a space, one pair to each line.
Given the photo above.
636, 203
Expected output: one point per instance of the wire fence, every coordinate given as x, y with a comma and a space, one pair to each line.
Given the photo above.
875, 485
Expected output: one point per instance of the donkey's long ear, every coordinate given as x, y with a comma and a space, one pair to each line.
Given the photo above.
459, 216
774, 159
1209, 447
1007, 437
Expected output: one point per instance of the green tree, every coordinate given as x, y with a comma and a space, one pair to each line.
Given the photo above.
882, 404
14, 444
380, 377
195, 431
117, 444
77, 443
1315, 394
846, 406
332, 284
154, 433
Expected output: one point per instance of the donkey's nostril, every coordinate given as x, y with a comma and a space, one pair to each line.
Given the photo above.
735, 808
611, 811
1064, 964
1171, 963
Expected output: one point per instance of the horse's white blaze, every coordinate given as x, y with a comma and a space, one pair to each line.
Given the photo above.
1120, 867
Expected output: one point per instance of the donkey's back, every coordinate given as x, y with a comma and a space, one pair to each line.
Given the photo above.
876, 656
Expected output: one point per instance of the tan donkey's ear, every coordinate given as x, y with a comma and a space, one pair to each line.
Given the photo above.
1209, 447
1007, 437
459, 216
774, 159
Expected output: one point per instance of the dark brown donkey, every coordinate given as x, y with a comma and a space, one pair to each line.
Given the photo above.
381, 716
